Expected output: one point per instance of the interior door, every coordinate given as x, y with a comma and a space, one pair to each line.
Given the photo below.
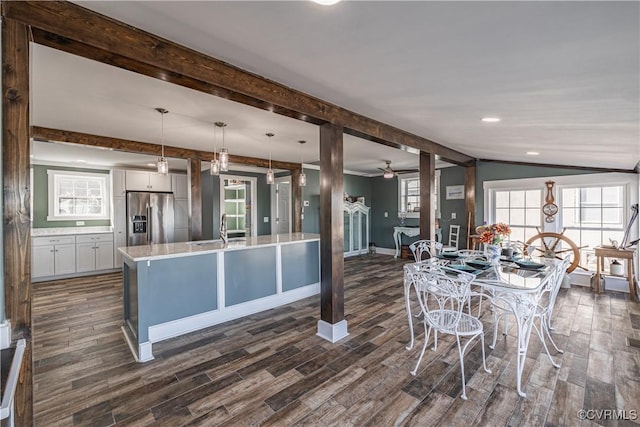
283, 206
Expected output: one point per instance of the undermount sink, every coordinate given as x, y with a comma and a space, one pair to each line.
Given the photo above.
209, 242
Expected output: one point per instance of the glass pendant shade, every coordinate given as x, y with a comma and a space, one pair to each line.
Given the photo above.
224, 153
387, 174
214, 168
303, 178
163, 166
224, 159
271, 179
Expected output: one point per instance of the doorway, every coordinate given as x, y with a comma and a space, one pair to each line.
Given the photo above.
281, 205
238, 201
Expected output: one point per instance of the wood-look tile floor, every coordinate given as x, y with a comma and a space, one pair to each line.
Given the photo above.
271, 368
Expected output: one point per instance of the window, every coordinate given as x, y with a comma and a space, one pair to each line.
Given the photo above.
409, 194
77, 195
521, 210
593, 215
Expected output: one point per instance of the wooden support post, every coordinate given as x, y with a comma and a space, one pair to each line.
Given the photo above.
296, 200
195, 199
332, 325
470, 201
16, 203
427, 186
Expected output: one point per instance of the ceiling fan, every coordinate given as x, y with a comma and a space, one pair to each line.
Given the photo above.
389, 173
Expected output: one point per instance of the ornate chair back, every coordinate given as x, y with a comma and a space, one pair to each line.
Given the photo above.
425, 249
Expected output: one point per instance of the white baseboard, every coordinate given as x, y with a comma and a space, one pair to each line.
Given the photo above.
142, 353
332, 332
5, 334
178, 327
385, 251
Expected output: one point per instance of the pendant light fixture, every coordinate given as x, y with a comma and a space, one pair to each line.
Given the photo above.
214, 168
270, 176
303, 177
224, 153
163, 166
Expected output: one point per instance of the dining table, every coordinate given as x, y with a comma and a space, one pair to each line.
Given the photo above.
514, 286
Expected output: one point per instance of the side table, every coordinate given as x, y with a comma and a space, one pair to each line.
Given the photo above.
628, 255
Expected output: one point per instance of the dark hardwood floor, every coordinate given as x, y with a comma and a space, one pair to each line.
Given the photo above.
271, 368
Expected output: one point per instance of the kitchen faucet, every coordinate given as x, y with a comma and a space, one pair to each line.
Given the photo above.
223, 228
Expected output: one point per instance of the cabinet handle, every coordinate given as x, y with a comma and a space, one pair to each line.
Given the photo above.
51, 251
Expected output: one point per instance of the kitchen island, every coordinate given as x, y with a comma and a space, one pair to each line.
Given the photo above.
175, 288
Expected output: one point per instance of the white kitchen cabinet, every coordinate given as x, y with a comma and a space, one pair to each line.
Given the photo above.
52, 256
181, 213
181, 207
181, 235
119, 228
118, 182
147, 181
180, 186
94, 252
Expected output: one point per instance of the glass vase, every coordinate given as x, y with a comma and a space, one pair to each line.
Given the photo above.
493, 254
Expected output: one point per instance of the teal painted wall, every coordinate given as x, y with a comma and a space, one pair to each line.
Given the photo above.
452, 176
41, 200
211, 203
496, 171
353, 185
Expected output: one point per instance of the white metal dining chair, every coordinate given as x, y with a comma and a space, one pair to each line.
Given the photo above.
442, 299
542, 312
545, 306
421, 247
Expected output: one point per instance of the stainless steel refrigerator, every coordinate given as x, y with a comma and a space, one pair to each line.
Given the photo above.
149, 218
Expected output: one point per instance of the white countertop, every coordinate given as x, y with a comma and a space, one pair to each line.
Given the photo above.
175, 250
36, 232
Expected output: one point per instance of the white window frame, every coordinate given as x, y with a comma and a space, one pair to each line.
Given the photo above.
516, 188
631, 183
53, 177
416, 175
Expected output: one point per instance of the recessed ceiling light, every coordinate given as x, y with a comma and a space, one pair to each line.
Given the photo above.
81, 161
326, 2
491, 119
151, 164
532, 153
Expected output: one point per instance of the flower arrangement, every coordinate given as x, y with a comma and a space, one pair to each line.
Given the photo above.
494, 233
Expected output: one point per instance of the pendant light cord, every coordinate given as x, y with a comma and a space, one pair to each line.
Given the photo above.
162, 126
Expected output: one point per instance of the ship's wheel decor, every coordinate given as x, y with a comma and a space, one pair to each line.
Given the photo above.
554, 245
550, 209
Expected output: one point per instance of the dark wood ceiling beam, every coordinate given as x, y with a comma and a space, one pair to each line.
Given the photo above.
48, 134
94, 30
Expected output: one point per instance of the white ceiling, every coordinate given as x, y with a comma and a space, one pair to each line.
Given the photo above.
563, 76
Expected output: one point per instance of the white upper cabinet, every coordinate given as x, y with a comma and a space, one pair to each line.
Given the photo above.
180, 186
147, 181
117, 177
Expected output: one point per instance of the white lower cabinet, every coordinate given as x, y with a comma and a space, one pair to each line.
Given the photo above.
94, 252
64, 255
52, 256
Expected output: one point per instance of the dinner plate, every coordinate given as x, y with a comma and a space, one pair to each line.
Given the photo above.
478, 264
449, 255
529, 265
464, 268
